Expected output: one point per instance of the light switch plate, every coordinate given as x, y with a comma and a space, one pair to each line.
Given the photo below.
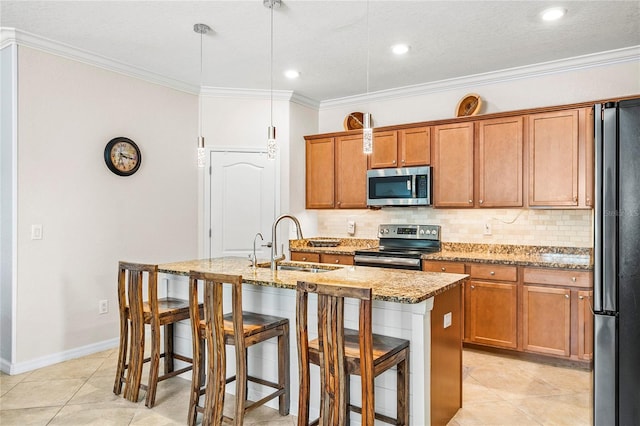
36, 232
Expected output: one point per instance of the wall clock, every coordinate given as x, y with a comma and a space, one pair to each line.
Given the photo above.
122, 156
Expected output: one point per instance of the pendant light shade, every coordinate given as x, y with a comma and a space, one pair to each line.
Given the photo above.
272, 144
201, 29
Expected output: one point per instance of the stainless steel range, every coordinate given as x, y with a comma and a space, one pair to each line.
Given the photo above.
401, 246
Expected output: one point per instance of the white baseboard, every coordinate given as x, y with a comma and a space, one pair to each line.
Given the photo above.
22, 367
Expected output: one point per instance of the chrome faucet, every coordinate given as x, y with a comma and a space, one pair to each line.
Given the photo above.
274, 239
254, 259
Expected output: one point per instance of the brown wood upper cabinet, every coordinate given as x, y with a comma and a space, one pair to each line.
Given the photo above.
453, 165
336, 170
320, 176
561, 159
401, 148
499, 146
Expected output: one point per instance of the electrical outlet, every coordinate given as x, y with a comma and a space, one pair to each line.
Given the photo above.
103, 306
447, 320
351, 227
36, 232
487, 228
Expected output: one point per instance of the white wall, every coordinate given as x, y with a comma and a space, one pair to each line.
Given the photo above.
505, 92
92, 218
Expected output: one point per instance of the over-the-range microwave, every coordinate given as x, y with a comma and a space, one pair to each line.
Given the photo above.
407, 186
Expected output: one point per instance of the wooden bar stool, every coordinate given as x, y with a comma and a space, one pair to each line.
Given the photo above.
135, 313
341, 352
237, 328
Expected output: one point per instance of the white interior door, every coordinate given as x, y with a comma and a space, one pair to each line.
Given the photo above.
242, 202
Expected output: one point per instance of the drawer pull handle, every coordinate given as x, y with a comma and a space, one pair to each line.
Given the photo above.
492, 273
443, 269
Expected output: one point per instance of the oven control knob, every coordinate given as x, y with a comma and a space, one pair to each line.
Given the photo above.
385, 230
422, 232
434, 232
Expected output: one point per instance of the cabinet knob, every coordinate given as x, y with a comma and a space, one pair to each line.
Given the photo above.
575, 199
480, 201
394, 161
337, 260
580, 297
402, 161
492, 273
573, 279
443, 269
566, 296
304, 259
338, 202
470, 201
472, 287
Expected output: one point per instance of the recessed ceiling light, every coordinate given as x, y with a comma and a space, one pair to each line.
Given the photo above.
553, 14
292, 74
400, 49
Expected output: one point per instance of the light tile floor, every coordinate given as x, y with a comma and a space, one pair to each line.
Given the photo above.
498, 390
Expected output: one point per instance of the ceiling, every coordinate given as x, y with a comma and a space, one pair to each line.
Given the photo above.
327, 41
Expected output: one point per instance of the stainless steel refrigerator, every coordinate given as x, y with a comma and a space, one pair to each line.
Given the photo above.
616, 293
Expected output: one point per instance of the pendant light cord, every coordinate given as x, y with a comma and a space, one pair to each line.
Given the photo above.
367, 24
200, 89
271, 64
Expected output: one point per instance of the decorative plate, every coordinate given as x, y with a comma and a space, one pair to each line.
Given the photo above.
470, 104
354, 121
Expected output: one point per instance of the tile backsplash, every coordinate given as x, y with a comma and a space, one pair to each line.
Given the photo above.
567, 228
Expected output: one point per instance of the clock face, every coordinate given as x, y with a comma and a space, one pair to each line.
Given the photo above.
122, 156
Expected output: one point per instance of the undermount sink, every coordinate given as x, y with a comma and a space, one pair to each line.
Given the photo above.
289, 266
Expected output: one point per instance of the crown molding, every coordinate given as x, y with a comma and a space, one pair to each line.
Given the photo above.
629, 54
22, 38
238, 93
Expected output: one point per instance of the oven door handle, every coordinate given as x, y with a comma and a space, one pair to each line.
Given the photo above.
386, 261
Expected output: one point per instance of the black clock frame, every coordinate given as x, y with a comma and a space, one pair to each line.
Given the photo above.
107, 156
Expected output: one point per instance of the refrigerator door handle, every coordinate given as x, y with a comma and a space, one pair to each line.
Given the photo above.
605, 371
609, 213
597, 249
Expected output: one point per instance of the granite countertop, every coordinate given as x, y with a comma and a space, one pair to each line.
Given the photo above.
391, 285
540, 256
346, 246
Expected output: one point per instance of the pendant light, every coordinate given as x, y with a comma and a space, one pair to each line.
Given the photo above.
201, 29
272, 145
367, 131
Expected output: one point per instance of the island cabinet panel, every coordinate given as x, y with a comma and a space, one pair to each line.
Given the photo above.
554, 159
351, 173
446, 355
546, 320
491, 313
401, 148
301, 256
499, 145
453, 165
585, 325
320, 183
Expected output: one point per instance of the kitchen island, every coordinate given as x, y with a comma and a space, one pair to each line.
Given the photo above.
405, 303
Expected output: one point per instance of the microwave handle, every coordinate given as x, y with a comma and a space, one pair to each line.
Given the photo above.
413, 186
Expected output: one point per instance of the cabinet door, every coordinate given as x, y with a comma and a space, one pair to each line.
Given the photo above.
385, 150
320, 184
415, 147
453, 165
546, 320
499, 156
585, 325
491, 313
351, 173
553, 159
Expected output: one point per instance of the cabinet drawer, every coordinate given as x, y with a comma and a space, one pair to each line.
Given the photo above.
300, 256
558, 277
494, 272
340, 259
439, 266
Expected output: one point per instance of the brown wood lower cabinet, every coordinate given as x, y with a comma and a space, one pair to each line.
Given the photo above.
302, 256
546, 320
491, 313
543, 311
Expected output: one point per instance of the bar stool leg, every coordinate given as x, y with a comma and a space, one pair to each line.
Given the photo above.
122, 356
284, 401
403, 391
154, 365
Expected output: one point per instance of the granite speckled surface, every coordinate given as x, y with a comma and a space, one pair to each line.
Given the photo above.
391, 285
540, 256
347, 245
